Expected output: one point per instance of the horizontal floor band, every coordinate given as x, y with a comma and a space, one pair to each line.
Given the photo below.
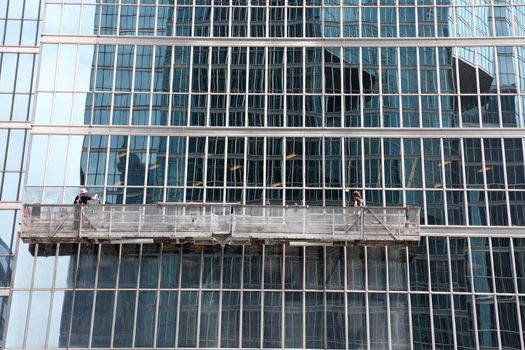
281, 42
199, 131
19, 49
14, 125
11, 206
473, 231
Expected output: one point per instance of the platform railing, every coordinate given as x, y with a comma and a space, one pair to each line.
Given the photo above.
218, 223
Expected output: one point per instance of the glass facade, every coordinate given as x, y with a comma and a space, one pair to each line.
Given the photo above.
269, 102
19, 28
271, 296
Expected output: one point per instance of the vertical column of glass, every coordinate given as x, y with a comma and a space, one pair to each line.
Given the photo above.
19, 26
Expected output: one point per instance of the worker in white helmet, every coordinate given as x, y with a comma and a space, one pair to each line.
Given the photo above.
83, 197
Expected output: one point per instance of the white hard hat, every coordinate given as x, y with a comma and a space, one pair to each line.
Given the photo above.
82, 191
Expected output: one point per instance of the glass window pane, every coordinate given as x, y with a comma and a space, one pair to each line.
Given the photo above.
103, 319
378, 321
66, 71
373, 164
481, 265
464, 321
232, 261
170, 266
61, 310
149, 266
38, 316
177, 149
335, 320
8, 218
314, 262
452, 163
502, 257
459, 264
188, 319
514, 163
397, 268
293, 276
335, 267
230, 319
129, 265
124, 317
355, 267
487, 329
376, 268
167, 319
519, 258
439, 273
399, 321
107, 269
357, 328
419, 268
209, 319
413, 173
87, 266
24, 267
392, 149
272, 320
421, 326
273, 266
66, 265
442, 312
293, 323
191, 266
473, 165
81, 320
144, 329
252, 270
251, 325
508, 322
44, 266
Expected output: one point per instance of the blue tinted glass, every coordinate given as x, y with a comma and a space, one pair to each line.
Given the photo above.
167, 319
103, 319
123, 335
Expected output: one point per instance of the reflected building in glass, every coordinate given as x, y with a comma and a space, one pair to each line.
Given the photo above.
276, 103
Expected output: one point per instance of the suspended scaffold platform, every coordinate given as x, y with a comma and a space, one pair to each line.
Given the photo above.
225, 224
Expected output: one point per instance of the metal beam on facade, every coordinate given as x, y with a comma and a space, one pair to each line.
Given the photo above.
201, 131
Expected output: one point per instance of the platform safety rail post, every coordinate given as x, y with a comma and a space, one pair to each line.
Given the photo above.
141, 219
80, 219
211, 218
333, 223
110, 221
362, 223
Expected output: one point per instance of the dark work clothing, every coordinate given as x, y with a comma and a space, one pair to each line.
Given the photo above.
82, 199
79, 200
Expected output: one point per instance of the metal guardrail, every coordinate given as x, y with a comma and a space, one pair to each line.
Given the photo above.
219, 223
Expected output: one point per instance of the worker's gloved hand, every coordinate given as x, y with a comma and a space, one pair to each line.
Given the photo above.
95, 197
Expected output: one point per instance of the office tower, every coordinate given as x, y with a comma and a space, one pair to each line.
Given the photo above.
274, 105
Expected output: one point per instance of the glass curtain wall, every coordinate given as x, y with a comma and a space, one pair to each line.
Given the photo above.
19, 28
271, 103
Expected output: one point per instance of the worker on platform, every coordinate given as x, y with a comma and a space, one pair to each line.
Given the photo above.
83, 197
358, 201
